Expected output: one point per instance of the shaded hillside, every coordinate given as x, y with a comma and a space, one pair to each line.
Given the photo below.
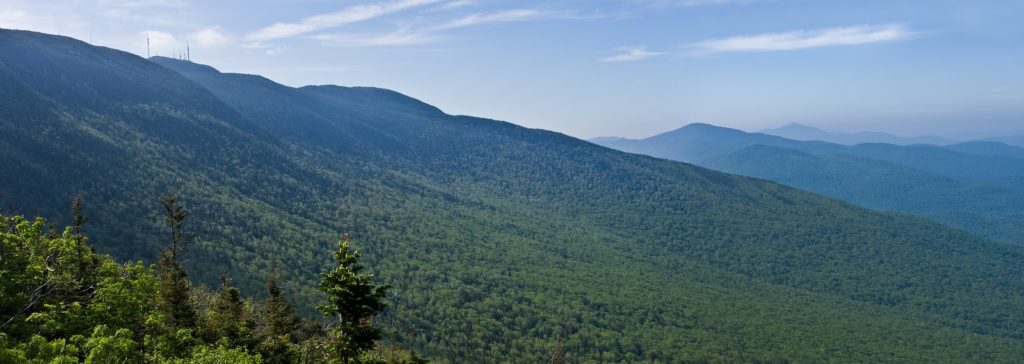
500, 240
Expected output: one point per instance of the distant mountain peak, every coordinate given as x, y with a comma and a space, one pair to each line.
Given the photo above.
797, 127
699, 125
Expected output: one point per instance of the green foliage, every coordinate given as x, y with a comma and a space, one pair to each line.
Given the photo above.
115, 322
176, 318
352, 301
218, 355
278, 329
111, 347
497, 238
229, 321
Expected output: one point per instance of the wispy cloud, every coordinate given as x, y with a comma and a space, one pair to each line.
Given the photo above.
401, 37
210, 37
163, 42
503, 16
16, 19
633, 54
348, 15
157, 13
861, 34
456, 4
407, 35
689, 3
130, 8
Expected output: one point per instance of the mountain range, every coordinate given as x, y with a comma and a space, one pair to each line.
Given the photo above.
798, 131
972, 185
500, 241
1016, 140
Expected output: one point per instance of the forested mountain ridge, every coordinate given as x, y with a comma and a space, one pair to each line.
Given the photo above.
972, 185
499, 240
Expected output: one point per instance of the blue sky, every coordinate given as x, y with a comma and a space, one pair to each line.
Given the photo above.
593, 68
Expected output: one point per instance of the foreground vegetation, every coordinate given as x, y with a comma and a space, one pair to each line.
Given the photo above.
61, 302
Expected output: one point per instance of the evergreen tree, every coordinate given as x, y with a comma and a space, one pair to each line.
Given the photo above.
78, 218
227, 321
173, 299
85, 255
279, 322
352, 300
278, 314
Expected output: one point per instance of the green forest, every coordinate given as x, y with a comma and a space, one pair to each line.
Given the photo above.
500, 243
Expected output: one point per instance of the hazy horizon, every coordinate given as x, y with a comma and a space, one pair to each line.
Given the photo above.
609, 68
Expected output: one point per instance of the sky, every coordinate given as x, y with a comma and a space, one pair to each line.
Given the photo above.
628, 68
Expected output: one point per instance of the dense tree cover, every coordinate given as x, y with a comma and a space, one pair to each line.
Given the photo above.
64, 303
501, 242
974, 186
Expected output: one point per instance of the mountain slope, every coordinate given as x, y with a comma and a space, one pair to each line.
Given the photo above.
970, 185
499, 239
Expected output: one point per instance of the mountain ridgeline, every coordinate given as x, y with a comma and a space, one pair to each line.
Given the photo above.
807, 133
974, 185
501, 242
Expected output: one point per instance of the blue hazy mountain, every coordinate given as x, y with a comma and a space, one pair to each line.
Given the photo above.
499, 240
974, 186
1016, 140
797, 131
988, 148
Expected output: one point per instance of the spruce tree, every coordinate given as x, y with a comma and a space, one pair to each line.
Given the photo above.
352, 300
278, 313
85, 255
173, 299
279, 323
227, 320
78, 218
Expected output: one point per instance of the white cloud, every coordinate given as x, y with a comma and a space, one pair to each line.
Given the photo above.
210, 37
403, 36
456, 4
158, 13
23, 20
163, 43
407, 35
143, 4
690, 3
861, 34
633, 54
348, 15
15, 19
275, 51
496, 17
